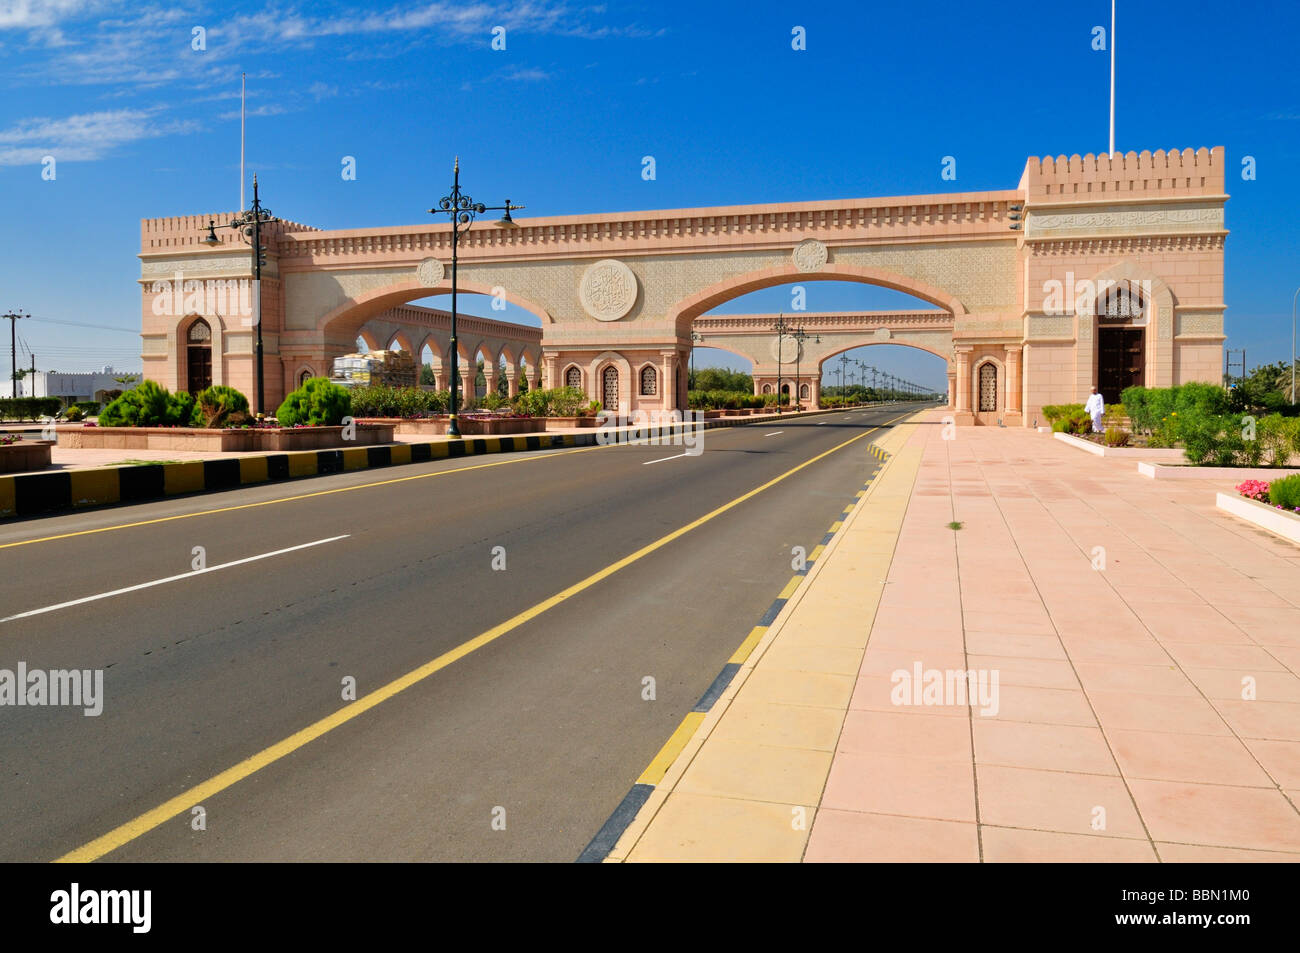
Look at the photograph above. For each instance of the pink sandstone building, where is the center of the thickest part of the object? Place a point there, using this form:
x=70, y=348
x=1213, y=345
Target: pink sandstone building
x=1102, y=270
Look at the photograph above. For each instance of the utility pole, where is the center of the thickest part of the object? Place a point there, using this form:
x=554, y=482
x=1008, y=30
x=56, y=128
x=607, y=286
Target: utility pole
x=13, y=317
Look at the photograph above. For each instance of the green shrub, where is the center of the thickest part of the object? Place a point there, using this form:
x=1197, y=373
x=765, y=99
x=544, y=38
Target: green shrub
x=180, y=410
x=1116, y=437
x=218, y=406
x=553, y=402
x=29, y=408
x=1279, y=438
x=1285, y=492
x=381, y=400
x=88, y=408
x=1194, y=398
x=1076, y=422
x=73, y=413
x=1148, y=406
x=142, y=406
x=316, y=403
x=1054, y=412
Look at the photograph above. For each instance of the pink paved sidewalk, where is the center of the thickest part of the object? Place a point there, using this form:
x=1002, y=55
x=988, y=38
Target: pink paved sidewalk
x=1125, y=728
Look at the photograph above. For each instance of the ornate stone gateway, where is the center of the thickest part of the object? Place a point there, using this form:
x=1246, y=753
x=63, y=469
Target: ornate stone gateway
x=1019, y=280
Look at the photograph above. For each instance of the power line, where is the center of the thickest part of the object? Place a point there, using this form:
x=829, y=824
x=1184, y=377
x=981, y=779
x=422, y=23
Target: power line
x=80, y=324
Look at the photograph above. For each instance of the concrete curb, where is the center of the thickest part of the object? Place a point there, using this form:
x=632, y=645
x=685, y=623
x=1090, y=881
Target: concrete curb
x=1263, y=515
x=625, y=826
x=60, y=491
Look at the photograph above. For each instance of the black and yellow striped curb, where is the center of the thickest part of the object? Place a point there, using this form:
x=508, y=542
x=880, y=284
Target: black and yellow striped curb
x=57, y=491
x=608, y=836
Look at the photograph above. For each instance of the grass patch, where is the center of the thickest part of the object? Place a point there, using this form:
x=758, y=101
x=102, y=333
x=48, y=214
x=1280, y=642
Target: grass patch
x=140, y=463
x=954, y=525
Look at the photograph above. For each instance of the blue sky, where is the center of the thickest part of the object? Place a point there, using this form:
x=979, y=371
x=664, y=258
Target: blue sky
x=143, y=125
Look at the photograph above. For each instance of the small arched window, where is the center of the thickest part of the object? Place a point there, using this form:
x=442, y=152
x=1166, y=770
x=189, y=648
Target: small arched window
x=649, y=381
x=767, y=388
x=573, y=377
x=988, y=387
x=200, y=333
x=610, y=391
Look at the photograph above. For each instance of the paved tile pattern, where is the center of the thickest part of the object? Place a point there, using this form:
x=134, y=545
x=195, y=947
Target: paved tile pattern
x=1146, y=649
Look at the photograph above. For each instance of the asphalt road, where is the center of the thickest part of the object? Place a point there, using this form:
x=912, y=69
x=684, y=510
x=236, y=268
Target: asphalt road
x=543, y=728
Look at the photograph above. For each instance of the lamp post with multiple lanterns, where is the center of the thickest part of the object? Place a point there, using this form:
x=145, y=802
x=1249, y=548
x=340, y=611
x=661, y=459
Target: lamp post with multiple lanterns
x=799, y=337
x=463, y=210
x=249, y=224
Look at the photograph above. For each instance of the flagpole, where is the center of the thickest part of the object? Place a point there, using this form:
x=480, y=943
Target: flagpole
x=242, y=87
x=1112, y=77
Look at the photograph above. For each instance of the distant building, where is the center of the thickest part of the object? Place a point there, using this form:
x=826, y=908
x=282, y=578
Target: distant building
x=72, y=387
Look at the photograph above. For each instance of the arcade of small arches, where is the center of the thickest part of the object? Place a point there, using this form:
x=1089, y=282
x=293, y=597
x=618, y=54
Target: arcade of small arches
x=621, y=297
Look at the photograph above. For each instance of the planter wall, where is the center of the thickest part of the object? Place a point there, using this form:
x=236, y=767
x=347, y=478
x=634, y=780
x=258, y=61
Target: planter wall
x=1264, y=515
x=223, y=441
x=479, y=427
x=569, y=423
x=1157, y=471
x=1154, y=454
x=424, y=426
x=25, y=455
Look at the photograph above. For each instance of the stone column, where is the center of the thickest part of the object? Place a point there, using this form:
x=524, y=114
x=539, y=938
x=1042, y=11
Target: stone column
x=441, y=378
x=667, y=361
x=467, y=375
x=1013, y=416
x=512, y=376
x=490, y=372
x=963, y=414
x=552, y=371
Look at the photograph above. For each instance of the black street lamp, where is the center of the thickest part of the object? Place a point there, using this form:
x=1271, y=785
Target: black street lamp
x=249, y=224
x=780, y=328
x=13, y=318
x=799, y=337
x=844, y=362
x=696, y=338
x=463, y=211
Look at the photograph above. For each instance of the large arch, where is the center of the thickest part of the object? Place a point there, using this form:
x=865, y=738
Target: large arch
x=693, y=306
x=361, y=308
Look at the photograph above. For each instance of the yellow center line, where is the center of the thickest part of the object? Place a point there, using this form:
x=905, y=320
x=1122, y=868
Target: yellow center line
x=167, y=810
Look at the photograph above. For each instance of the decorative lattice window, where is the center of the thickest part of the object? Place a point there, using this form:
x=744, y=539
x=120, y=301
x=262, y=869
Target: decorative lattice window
x=1119, y=302
x=573, y=377
x=304, y=376
x=988, y=387
x=200, y=333
x=804, y=393
x=610, y=399
x=649, y=381
x=767, y=388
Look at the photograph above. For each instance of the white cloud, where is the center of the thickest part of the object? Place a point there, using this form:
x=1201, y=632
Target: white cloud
x=84, y=137
x=268, y=109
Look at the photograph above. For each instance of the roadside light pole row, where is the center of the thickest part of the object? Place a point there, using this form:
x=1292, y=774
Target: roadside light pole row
x=463, y=210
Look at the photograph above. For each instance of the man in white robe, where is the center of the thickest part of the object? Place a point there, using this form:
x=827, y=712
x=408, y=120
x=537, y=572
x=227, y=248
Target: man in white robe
x=1095, y=408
